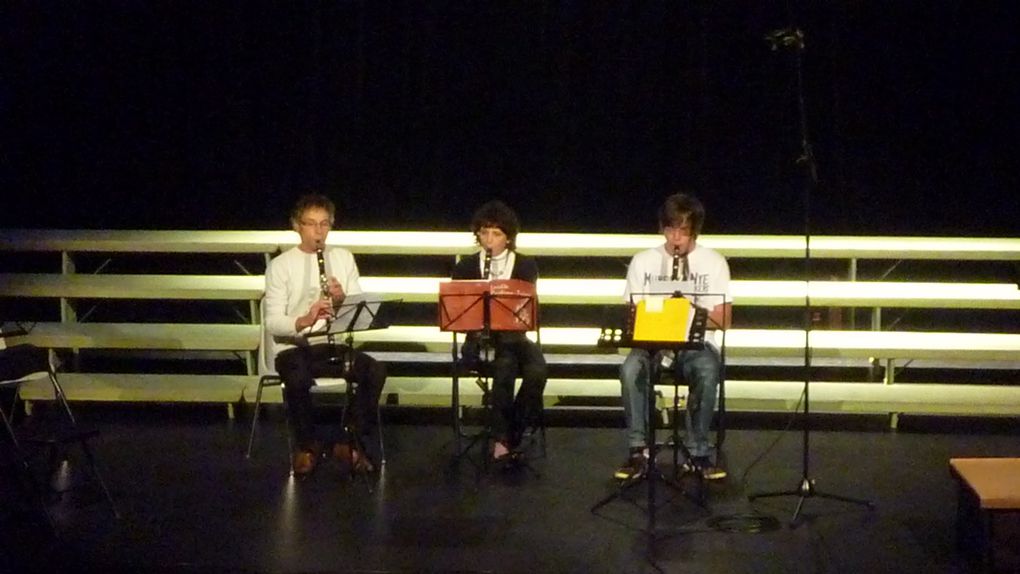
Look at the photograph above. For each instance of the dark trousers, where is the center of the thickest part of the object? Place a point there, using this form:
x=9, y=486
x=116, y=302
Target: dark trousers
x=298, y=367
x=515, y=356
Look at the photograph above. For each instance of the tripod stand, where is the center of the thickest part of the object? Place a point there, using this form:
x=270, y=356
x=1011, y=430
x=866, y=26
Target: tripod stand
x=793, y=38
x=675, y=326
x=358, y=313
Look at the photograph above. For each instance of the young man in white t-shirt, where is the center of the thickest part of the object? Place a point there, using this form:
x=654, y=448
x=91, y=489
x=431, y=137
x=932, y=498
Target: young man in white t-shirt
x=298, y=299
x=705, y=276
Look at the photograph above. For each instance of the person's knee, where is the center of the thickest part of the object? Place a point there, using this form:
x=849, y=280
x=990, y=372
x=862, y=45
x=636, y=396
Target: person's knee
x=377, y=371
x=631, y=370
x=534, y=375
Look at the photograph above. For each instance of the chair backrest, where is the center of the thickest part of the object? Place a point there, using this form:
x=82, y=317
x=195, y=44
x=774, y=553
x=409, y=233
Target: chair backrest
x=22, y=362
x=267, y=352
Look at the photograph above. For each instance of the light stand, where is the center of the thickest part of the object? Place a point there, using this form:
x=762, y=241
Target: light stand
x=793, y=38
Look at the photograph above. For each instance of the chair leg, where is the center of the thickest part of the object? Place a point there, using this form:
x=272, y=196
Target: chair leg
x=382, y=446
x=255, y=418
x=58, y=394
x=82, y=440
x=541, y=423
x=676, y=427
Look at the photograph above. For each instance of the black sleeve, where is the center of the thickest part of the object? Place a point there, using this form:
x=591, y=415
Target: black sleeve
x=466, y=268
x=526, y=269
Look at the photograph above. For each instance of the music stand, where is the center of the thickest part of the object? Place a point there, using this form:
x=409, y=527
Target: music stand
x=676, y=325
x=360, y=312
x=486, y=307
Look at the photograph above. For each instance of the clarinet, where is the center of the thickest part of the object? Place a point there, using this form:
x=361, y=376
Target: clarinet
x=676, y=265
x=487, y=271
x=324, y=291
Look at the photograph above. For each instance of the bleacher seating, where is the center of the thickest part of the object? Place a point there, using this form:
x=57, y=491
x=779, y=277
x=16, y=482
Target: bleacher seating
x=190, y=298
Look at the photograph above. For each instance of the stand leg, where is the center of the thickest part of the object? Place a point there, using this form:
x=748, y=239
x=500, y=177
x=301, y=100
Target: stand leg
x=652, y=473
x=807, y=490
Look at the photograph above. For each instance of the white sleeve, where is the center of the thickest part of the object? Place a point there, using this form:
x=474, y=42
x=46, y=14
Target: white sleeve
x=274, y=310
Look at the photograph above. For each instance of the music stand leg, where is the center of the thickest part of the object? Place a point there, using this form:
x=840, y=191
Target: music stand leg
x=652, y=473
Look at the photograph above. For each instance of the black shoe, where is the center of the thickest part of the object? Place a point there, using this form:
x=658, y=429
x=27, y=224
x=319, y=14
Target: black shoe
x=704, y=466
x=634, y=468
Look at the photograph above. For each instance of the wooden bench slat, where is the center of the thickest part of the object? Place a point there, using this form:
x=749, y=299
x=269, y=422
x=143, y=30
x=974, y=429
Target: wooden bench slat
x=170, y=336
x=747, y=293
x=537, y=244
x=551, y=290
x=143, y=387
x=189, y=287
x=750, y=395
x=739, y=342
x=772, y=342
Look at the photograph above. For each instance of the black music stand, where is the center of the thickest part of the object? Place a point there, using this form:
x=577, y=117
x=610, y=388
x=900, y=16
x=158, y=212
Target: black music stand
x=614, y=336
x=361, y=312
x=485, y=307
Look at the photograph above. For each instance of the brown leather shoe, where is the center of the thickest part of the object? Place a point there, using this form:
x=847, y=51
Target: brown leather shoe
x=304, y=462
x=353, y=457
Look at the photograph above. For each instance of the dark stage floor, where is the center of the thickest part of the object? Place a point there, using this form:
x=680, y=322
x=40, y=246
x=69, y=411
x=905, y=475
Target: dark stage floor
x=191, y=503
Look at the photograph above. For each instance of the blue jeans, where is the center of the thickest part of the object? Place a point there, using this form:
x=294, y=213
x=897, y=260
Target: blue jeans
x=701, y=371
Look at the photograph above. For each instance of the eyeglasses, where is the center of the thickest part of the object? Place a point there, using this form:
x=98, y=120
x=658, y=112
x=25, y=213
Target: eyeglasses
x=681, y=230
x=318, y=224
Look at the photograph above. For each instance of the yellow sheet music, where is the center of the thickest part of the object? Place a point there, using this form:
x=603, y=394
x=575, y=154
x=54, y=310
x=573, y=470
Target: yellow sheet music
x=664, y=320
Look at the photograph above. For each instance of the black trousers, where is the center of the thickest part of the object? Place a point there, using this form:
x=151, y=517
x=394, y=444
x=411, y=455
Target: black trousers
x=298, y=367
x=515, y=356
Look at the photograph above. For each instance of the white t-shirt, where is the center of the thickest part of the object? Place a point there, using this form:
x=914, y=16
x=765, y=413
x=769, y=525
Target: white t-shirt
x=649, y=275
x=292, y=285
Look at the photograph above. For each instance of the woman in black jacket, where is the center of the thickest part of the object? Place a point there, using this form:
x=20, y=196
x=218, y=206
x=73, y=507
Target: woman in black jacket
x=495, y=226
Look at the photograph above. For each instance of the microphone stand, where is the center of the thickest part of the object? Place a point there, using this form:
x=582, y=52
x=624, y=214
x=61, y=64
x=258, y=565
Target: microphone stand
x=793, y=38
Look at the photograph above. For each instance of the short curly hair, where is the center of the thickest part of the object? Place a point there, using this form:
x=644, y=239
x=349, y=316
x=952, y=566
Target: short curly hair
x=496, y=214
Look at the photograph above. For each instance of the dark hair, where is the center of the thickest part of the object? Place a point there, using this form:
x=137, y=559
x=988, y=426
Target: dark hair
x=681, y=209
x=496, y=214
x=312, y=201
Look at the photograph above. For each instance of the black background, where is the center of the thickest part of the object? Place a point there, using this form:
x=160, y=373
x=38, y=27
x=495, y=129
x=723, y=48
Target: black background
x=582, y=115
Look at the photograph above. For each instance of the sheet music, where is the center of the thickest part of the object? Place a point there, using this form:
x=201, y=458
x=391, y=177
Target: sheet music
x=659, y=290
x=357, y=313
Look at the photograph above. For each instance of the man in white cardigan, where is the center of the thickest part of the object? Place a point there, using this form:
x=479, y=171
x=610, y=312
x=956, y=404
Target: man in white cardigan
x=299, y=297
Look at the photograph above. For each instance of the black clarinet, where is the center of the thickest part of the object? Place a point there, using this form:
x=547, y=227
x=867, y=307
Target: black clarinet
x=324, y=291
x=676, y=265
x=487, y=271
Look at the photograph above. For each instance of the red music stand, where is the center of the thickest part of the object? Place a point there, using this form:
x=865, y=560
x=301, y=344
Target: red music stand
x=485, y=306
x=500, y=305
